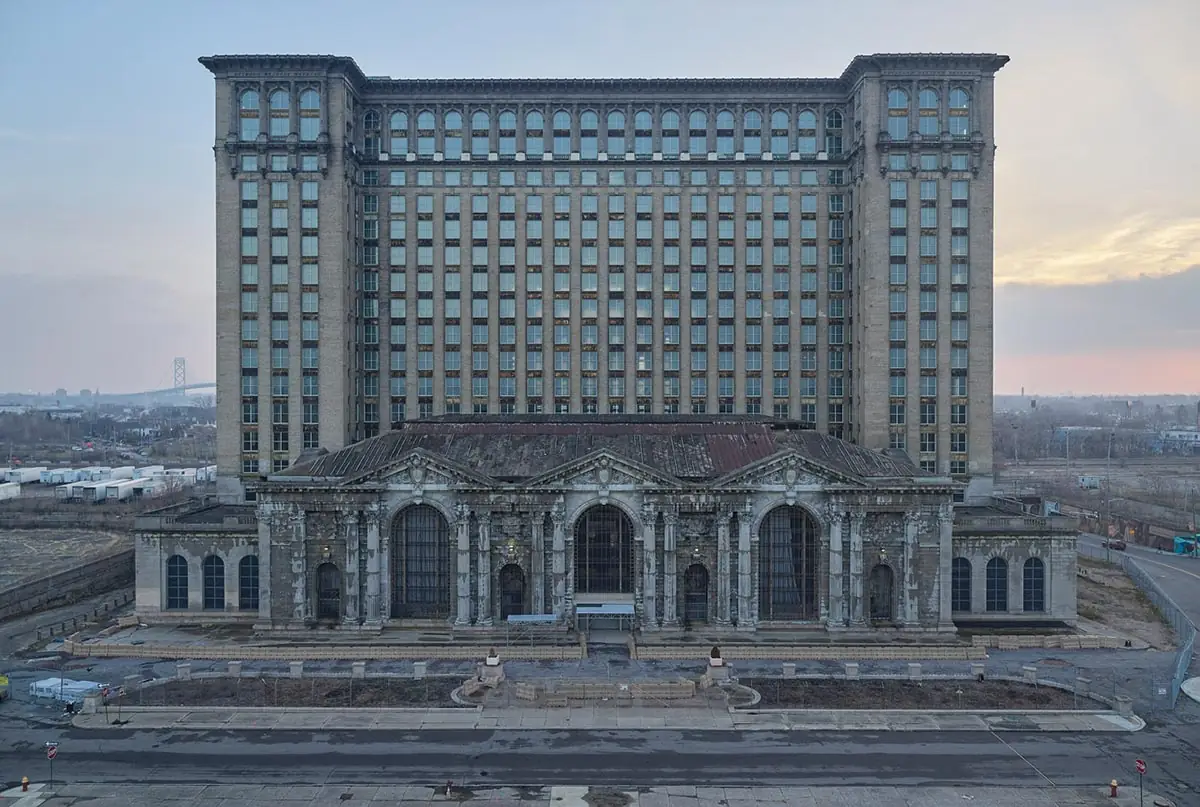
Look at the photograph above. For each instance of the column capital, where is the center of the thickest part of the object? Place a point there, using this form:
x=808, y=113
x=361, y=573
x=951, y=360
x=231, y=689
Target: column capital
x=558, y=514
x=857, y=519
x=485, y=517
x=462, y=513
x=671, y=518
x=912, y=518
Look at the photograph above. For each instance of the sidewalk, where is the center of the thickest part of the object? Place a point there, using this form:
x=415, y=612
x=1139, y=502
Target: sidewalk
x=586, y=717
x=250, y=795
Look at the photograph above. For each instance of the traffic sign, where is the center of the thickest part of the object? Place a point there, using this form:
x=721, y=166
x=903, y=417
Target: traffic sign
x=105, y=692
x=52, y=752
x=1141, y=766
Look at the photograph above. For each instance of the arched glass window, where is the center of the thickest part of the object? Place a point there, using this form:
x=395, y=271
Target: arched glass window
x=177, y=582
x=643, y=134
x=806, y=132
x=616, y=133
x=214, y=583
x=535, y=141
x=452, y=136
x=589, y=135
x=670, y=134
x=833, y=132
x=897, y=114
x=996, y=585
x=928, y=118
x=698, y=132
x=752, y=133
x=960, y=112
x=788, y=565
x=399, y=132
x=562, y=134
x=248, y=583
x=725, y=126
x=248, y=111
x=371, y=133
x=280, y=113
x=421, y=555
x=780, y=145
x=960, y=585
x=1033, y=586
x=604, y=552
x=310, y=115
x=508, y=133
x=426, y=134
x=481, y=134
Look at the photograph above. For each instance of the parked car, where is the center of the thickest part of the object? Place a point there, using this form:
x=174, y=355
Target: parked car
x=1115, y=543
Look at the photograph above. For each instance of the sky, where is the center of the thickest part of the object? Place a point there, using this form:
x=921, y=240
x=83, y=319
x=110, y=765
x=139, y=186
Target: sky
x=107, y=173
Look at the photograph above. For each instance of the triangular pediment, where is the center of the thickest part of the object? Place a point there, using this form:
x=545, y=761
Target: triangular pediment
x=787, y=469
x=419, y=468
x=602, y=469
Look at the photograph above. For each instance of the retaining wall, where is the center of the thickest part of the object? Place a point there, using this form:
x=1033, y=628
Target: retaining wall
x=330, y=653
x=63, y=588
x=1088, y=642
x=814, y=653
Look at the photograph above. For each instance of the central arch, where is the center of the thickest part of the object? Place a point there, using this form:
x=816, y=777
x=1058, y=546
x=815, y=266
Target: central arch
x=604, y=551
x=881, y=583
x=695, y=594
x=512, y=591
x=788, y=565
x=421, y=564
x=329, y=592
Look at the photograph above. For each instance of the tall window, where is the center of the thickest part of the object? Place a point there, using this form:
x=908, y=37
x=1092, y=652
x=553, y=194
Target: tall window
x=481, y=135
x=562, y=133
x=806, y=132
x=788, y=565
x=833, y=132
x=752, y=133
x=1034, y=585
x=898, y=114
x=177, y=582
x=508, y=133
x=960, y=585
x=589, y=135
x=698, y=132
x=281, y=109
x=780, y=145
x=643, y=134
x=248, y=583
x=928, y=122
x=960, y=112
x=604, y=552
x=399, y=133
x=996, y=580
x=452, y=138
x=670, y=134
x=248, y=111
x=535, y=125
x=426, y=134
x=214, y=583
x=421, y=569
x=616, y=133
x=310, y=115
x=725, y=126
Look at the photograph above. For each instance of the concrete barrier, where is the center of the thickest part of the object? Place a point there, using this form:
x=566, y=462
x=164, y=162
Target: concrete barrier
x=101, y=575
x=819, y=653
x=1048, y=642
x=381, y=652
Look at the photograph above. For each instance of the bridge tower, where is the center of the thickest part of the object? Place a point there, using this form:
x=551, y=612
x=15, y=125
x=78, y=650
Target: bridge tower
x=180, y=372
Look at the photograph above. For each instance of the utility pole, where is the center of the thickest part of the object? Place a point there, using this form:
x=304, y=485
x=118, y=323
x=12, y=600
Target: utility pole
x=1108, y=500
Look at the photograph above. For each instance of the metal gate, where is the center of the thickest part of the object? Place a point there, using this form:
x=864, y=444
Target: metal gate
x=695, y=593
x=512, y=591
x=329, y=592
x=880, y=593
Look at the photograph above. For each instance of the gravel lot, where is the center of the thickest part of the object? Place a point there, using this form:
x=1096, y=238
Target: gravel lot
x=792, y=693
x=335, y=693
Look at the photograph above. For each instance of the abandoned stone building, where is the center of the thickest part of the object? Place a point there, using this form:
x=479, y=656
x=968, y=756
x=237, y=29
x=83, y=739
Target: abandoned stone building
x=652, y=523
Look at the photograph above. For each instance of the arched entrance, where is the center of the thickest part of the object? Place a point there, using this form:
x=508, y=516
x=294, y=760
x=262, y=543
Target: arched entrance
x=421, y=564
x=695, y=594
x=881, y=593
x=512, y=591
x=788, y=565
x=329, y=591
x=603, y=552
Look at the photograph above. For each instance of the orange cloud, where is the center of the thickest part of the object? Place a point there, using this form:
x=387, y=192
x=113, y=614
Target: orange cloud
x=1151, y=371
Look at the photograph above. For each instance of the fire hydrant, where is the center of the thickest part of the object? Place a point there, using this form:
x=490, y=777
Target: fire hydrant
x=1112, y=789
x=24, y=784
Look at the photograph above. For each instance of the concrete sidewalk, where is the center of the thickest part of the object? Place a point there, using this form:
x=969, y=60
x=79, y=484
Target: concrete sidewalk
x=251, y=795
x=586, y=717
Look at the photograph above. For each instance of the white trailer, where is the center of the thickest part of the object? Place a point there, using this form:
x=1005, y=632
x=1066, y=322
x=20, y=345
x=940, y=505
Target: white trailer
x=123, y=472
x=59, y=476
x=92, y=491
x=25, y=475
x=147, y=471
x=10, y=490
x=98, y=473
x=151, y=488
x=70, y=490
x=120, y=491
x=4, y=473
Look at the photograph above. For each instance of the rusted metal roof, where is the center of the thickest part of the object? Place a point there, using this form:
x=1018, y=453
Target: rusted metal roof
x=522, y=447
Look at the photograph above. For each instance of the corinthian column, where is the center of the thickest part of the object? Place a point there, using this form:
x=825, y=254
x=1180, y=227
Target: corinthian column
x=837, y=571
x=538, y=564
x=909, y=616
x=484, y=617
x=670, y=572
x=463, y=525
x=558, y=562
x=723, y=568
x=857, y=617
x=649, y=568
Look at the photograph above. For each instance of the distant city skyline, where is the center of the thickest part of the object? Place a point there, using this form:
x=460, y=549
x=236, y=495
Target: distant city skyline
x=106, y=225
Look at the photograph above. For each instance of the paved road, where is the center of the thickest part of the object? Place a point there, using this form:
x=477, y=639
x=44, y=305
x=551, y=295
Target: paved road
x=1178, y=575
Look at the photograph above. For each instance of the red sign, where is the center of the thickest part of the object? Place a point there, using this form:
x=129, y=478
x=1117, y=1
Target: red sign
x=1141, y=766
x=52, y=752
x=1112, y=532
x=105, y=692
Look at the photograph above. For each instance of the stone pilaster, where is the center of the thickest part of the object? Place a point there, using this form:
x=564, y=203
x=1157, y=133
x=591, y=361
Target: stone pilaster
x=945, y=563
x=837, y=572
x=347, y=525
x=671, y=572
x=558, y=561
x=537, y=563
x=484, y=580
x=723, y=569
x=747, y=602
x=463, y=525
x=385, y=570
x=857, y=603
x=908, y=607
x=373, y=607
x=302, y=603
x=649, y=568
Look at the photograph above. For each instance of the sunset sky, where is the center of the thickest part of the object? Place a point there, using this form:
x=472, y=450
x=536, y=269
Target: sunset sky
x=106, y=165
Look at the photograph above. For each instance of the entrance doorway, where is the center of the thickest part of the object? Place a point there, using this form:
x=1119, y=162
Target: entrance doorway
x=329, y=592
x=880, y=593
x=695, y=594
x=512, y=591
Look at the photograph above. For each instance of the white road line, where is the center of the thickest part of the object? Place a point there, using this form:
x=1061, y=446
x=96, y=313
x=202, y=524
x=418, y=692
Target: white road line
x=1021, y=756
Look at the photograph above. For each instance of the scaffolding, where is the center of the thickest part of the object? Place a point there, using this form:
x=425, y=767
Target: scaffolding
x=532, y=628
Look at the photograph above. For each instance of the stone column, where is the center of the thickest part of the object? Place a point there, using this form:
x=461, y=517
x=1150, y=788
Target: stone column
x=302, y=603
x=945, y=564
x=723, y=570
x=537, y=563
x=558, y=562
x=671, y=572
x=837, y=571
x=266, y=560
x=348, y=526
x=908, y=615
x=385, y=570
x=463, y=525
x=373, y=610
x=857, y=616
x=649, y=568
x=747, y=602
x=484, y=617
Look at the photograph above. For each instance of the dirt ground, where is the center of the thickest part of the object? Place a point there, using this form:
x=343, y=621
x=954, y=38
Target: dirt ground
x=830, y=694
x=333, y=693
x=1107, y=595
x=30, y=554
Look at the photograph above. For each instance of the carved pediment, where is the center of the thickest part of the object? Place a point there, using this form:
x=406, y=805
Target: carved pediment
x=603, y=470
x=419, y=469
x=789, y=471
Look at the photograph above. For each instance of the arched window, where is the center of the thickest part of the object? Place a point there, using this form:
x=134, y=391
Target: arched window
x=562, y=134
x=481, y=133
x=960, y=112
x=399, y=131
x=248, y=583
x=248, y=112
x=616, y=133
x=928, y=118
x=535, y=141
x=725, y=126
x=806, y=132
x=371, y=133
x=508, y=133
x=996, y=585
x=214, y=583
x=589, y=135
x=752, y=133
x=897, y=114
x=1033, y=586
x=643, y=134
x=426, y=134
x=604, y=552
x=452, y=135
x=421, y=556
x=780, y=136
x=833, y=132
x=960, y=585
x=280, y=113
x=670, y=134
x=698, y=132
x=788, y=565
x=310, y=115
x=177, y=582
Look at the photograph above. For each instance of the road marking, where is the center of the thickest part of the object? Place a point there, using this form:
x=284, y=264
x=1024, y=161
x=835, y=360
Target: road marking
x=1021, y=756
x=1138, y=557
